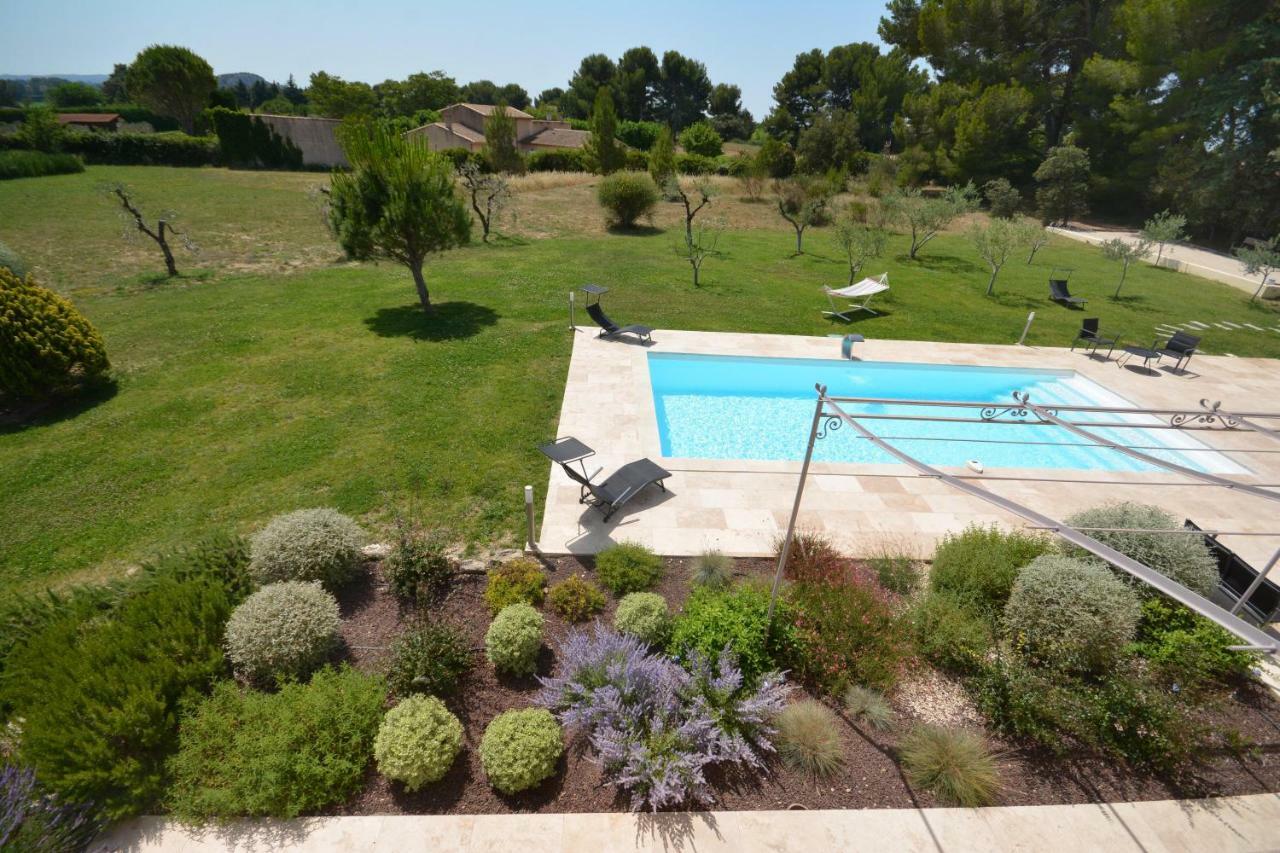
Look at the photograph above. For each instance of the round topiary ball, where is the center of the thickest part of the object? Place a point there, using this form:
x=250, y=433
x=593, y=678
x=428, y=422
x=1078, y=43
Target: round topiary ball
x=520, y=749
x=645, y=616
x=283, y=630
x=513, y=639
x=417, y=742
x=1070, y=614
x=307, y=545
x=1180, y=557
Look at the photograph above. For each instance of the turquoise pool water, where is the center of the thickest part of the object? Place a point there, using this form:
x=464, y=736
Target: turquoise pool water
x=735, y=407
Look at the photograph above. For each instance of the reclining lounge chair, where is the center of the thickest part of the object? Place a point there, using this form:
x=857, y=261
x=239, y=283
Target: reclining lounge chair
x=1058, y=293
x=608, y=328
x=611, y=494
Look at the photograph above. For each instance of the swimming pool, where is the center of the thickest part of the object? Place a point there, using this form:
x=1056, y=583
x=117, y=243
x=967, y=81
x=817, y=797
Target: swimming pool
x=739, y=407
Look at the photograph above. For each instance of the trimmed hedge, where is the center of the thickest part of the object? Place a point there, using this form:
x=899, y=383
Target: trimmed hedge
x=248, y=142
x=558, y=160
x=36, y=164
x=143, y=149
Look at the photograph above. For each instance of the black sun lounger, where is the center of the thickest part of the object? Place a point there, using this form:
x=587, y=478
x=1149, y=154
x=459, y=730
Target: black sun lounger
x=1058, y=293
x=613, y=492
x=1180, y=348
x=610, y=329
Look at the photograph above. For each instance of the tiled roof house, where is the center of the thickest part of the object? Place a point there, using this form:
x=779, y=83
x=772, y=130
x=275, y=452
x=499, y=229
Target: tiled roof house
x=462, y=126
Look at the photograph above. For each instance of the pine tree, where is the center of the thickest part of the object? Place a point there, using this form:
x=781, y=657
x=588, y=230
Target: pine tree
x=500, y=141
x=662, y=158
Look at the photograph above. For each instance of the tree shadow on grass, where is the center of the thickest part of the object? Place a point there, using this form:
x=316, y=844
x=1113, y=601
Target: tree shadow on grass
x=940, y=263
x=635, y=230
x=18, y=415
x=448, y=321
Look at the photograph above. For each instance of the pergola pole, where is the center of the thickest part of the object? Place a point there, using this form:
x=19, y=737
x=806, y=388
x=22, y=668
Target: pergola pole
x=795, y=507
x=1257, y=582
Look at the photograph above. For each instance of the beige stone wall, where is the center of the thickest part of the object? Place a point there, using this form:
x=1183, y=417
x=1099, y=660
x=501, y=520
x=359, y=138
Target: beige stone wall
x=315, y=136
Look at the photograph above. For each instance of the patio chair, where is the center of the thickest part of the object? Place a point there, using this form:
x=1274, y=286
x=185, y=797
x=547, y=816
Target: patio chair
x=1092, y=337
x=608, y=328
x=1235, y=576
x=862, y=292
x=1180, y=348
x=1058, y=293
x=611, y=494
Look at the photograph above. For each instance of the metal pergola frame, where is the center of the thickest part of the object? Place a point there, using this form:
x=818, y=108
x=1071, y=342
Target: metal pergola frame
x=829, y=415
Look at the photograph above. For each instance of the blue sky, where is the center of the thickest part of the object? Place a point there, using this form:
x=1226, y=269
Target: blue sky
x=536, y=43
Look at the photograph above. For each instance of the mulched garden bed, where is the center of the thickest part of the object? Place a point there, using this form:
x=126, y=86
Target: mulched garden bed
x=870, y=778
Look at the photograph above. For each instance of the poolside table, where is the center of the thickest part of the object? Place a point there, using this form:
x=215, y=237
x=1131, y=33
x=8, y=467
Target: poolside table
x=1144, y=353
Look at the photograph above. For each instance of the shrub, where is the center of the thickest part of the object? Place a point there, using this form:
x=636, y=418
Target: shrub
x=1002, y=197
x=10, y=261
x=639, y=134
x=143, y=149
x=949, y=634
x=428, y=659
x=627, y=196
x=701, y=138
x=520, y=749
x=1187, y=651
x=282, y=631
x=46, y=345
x=809, y=738
x=897, y=572
x=34, y=821
x=628, y=567
x=418, y=566
x=518, y=581
x=711, y=569
x=695, y=164
x=98, y=698
x=576, y=599
x=776, y=159
x=655, y=725
x=417, y=742
x=846, y=633
x=812, y=558
x=561, y=160
x=954, y=764
x=635, y=161
x=1070, y=614
x=870, y=706
x=736, y=619
x=644, y=615
x=307, y=545
x=36, y=164
x=979, y=565
x=513, y=640
x=247, y=753
x=1125, y=715
x=459, y=157
x=1181, y=557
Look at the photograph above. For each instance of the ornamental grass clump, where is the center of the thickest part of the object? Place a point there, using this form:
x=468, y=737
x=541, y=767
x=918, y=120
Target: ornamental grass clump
x=575, y=599
x=1181, y=557
x=656, y=726
x=644, y=615
x=1070, y=614
x=809, y=738
x=514, y=639
x=417, y=742
x=869, y=706
x=520, y=749
x=307, y=545
x=954, y=764
x=520, y=581
x=428, y=659
x=711, y=569
x=628, y=567
x=282, y=631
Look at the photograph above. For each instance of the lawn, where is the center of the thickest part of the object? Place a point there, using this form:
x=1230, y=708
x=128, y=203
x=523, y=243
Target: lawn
x=275, y=376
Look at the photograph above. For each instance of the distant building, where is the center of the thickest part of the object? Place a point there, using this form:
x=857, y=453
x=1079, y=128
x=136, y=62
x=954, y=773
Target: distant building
x=462, y=126
x=91, y=121
x=316, y=138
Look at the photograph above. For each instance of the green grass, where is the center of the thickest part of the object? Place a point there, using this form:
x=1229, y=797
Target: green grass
x=242, y=395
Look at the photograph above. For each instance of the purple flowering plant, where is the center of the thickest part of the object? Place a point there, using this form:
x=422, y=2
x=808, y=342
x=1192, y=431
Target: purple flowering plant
x=656, y=725
x=33, y=820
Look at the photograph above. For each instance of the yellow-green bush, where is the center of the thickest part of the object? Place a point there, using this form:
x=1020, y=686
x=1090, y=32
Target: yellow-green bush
x=417, y=742
x=46, y=345
x=514, y=638
x=520, y=749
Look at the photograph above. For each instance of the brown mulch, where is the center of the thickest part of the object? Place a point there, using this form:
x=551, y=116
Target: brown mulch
x=870, y=778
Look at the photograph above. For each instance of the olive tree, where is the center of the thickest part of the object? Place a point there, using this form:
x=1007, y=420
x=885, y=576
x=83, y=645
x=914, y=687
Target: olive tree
x=397, y=201
x=995, y=241
x=698, y=244
x=489, y=194
x=1261, y=258
x=1164, y=227
x=1125, y=252
x=135, y=222
x=859, y=240
x=802, y=201
x=923, y=216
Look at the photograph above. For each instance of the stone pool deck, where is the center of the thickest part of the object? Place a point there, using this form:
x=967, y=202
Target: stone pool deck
x=1222, y=825
x=741, y=507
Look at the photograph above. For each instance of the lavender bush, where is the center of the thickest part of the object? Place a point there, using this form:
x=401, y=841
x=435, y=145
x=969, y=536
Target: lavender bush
x=33, y=820
x=656, y=725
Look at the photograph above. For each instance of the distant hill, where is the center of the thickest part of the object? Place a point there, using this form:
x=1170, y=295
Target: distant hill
x=229, y=81
x=92, y=79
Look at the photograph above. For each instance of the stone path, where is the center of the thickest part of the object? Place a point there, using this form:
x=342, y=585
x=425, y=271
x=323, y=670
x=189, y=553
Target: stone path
x=1219, y=825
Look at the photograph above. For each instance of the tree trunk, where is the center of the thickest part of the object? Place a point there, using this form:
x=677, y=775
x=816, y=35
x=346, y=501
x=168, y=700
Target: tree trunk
x=168, y=253
x=991, y=285
x=799, y=239
x=1123, y=272
x=421, y=284
x=695, y=275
